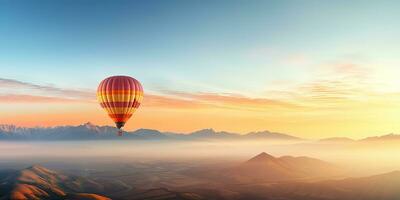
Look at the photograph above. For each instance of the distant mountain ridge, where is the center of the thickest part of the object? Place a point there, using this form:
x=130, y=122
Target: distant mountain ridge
x=388, y=137
x=89, y=131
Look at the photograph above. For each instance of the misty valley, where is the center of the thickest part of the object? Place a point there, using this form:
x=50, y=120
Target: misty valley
x=54, y=163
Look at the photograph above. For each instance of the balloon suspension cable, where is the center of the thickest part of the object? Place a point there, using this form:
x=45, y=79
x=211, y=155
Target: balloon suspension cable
x=119, y=126
x=120, y=132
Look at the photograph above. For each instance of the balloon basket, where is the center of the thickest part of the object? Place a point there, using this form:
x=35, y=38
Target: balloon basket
x=120, y=133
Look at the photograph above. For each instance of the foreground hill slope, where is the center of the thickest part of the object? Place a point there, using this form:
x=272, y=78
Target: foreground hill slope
x=378, y=187
x=37, y=182
x=162, y=194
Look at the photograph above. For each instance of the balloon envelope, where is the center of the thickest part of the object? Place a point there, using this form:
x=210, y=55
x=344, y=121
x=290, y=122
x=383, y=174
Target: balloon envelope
x=120, y=96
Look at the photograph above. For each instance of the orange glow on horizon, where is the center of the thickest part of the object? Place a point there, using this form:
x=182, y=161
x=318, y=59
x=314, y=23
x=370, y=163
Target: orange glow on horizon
x=309, y=118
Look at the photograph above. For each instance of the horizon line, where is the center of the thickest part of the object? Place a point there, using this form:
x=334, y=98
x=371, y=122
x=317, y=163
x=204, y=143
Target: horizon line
x=197, y=130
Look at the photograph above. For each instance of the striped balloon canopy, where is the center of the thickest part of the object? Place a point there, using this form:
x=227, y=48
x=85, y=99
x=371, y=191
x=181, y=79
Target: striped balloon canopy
x=120, y=96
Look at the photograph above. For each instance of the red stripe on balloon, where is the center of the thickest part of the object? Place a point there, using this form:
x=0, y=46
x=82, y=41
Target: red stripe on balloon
x=120, y=116
x=134, y=104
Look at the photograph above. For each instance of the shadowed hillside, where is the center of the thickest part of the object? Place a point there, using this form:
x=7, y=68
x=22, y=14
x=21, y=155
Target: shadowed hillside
x=378, y=187
x=37, y=182
x=267, y=168
x=162, y=194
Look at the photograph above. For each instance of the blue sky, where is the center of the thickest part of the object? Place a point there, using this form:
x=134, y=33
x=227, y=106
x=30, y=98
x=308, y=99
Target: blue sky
x=207, y=44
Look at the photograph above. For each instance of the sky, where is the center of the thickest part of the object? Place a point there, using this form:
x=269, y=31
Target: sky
x=308, y=68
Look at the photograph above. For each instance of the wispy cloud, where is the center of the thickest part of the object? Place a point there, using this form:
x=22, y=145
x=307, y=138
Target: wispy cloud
x=12, y=90
x=215, y=100
x=348, y=69
x=152, y=100
x=33, y=99
x=344, y=83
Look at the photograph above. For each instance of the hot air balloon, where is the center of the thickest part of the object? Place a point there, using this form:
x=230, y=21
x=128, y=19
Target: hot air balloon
x=120, y=96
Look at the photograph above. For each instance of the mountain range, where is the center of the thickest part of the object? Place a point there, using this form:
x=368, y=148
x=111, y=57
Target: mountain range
x=89, y=131
x=265, y=177
x=267, y=168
